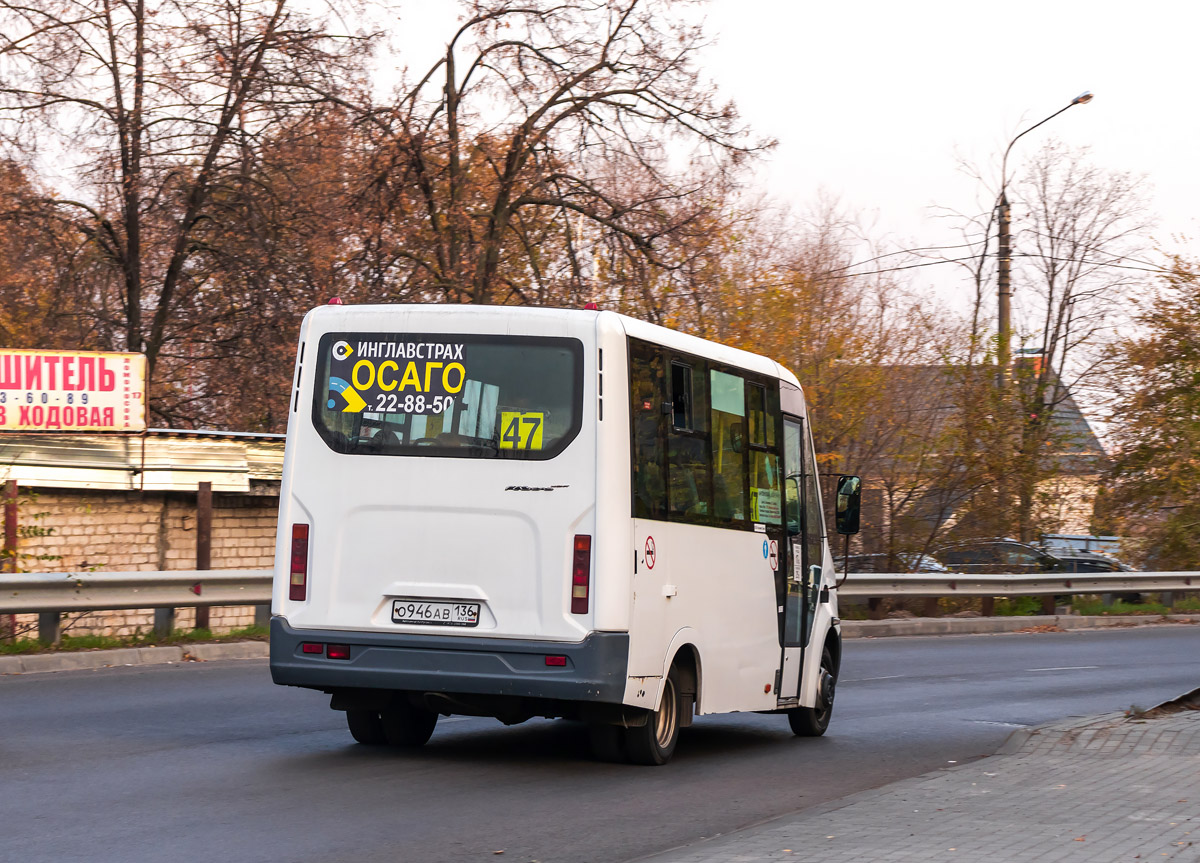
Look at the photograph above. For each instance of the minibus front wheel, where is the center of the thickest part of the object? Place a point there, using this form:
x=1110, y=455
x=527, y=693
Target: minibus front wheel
x=812, y=721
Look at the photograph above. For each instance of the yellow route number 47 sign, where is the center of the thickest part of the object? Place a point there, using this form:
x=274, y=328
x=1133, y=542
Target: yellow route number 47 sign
x=521, y=430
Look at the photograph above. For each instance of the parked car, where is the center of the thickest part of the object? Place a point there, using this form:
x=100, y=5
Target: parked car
x=903, y=562
x=1088, y=561
x=998, y=555
x=1092, y=561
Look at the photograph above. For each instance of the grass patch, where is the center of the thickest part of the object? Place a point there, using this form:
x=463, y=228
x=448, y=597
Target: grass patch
x=147, y=639
x=1088, y=605
x=1119, y=606
x=1188, y=603
x=1018, y=606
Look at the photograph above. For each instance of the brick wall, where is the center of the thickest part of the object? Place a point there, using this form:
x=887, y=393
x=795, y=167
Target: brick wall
x=146, y=531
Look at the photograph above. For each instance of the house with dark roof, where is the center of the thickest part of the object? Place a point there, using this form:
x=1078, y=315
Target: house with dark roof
x=918, y=483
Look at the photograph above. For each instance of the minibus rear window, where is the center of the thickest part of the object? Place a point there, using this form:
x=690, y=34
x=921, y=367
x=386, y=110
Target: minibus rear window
x=447, y=395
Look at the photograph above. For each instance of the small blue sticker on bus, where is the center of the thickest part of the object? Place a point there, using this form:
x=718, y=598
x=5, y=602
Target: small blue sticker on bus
x=766, y=549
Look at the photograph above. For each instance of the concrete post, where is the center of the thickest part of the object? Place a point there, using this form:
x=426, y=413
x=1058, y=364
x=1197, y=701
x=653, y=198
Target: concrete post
x=48, y=627
x=164, y=621
x=204, y=513
x=8, y=622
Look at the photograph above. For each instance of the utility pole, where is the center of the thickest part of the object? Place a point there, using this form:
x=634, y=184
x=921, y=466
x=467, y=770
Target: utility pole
x=1004, y=241
x=1004, y=338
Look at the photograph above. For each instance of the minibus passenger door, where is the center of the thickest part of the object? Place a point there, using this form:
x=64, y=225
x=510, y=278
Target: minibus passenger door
x=814, y=537
x=795, y=562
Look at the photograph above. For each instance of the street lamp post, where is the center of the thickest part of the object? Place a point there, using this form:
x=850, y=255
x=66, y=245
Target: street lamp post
x=1004, y=243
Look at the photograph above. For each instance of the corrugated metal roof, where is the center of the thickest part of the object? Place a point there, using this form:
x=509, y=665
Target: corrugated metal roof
x=159, y=460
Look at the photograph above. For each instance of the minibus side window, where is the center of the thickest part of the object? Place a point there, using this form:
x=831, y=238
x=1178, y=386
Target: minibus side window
x=766, y=505
x=646, y=387
x=729, y=444
x=690, y=478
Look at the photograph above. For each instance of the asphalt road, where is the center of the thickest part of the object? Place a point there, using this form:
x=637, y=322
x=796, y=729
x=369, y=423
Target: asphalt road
x=210, y=762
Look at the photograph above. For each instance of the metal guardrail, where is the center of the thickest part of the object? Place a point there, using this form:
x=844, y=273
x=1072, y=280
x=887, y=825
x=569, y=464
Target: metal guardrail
x=50, y=594
x=22, y=593
x=1014, y=584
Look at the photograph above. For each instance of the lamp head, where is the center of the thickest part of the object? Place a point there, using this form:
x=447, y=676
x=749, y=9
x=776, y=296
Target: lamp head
x=1083, y=98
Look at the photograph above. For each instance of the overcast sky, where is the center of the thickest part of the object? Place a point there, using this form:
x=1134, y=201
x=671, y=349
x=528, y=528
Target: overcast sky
x=876, y=102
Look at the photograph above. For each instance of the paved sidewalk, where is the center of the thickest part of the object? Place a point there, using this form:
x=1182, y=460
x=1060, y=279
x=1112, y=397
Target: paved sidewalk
x=1096, y=790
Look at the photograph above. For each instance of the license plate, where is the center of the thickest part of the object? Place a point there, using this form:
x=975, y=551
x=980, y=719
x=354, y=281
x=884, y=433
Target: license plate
x=435, y=613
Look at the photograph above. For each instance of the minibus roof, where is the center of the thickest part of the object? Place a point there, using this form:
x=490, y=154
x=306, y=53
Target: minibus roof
x=501, y=318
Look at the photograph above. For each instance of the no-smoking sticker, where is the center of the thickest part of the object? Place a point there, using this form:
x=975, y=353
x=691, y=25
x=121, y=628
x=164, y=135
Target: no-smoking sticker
x=773, y=555
x=649, y=552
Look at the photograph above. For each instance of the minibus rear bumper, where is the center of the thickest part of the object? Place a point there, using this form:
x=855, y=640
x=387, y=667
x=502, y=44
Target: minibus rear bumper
x=592, y=670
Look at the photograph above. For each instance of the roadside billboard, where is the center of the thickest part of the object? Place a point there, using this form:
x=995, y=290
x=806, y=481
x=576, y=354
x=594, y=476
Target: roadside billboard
x=62, y=391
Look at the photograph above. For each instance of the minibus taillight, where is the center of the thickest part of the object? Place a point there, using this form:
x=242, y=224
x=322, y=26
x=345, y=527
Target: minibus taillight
x=581, y=572
x=298, y=586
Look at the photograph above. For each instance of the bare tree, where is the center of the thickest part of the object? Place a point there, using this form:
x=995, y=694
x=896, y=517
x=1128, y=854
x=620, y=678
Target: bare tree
x=154, y=111
x=42, y=266
x=1083, y=227
x=550, y=121
x=1080, y=232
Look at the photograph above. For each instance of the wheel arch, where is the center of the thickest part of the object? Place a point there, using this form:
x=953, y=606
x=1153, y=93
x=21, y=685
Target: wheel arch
x=684, y=654
x=833, y=640
x=687, y=662
x=825, y=634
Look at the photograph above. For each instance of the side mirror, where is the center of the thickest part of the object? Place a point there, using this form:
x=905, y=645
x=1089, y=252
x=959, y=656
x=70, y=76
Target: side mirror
x=849, y=499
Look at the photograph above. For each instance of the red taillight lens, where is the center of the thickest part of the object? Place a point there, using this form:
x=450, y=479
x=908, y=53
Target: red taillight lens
x=298, y=586
x=556, y=661
x=338, y=651
x=581, y=574
x=309, y=647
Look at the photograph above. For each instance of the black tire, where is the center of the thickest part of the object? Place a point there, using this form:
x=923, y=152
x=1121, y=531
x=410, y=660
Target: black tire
x=654, y=743
x=812, y=721
x=408, y=726
x=366, y=727
x=606, y=742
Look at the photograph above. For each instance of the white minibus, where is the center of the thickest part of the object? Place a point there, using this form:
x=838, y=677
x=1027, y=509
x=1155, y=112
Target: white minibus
x=523, y=512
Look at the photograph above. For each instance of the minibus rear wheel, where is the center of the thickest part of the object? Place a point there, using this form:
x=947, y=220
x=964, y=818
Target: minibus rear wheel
x=406, y=725
x=366, y=727
x=654, y=742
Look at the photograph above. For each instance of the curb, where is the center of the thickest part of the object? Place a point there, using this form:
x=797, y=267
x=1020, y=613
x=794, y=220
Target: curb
x=90, y=659
x=990, y=625
x=86, y=660
x=227, y=650
x=1016, y=741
